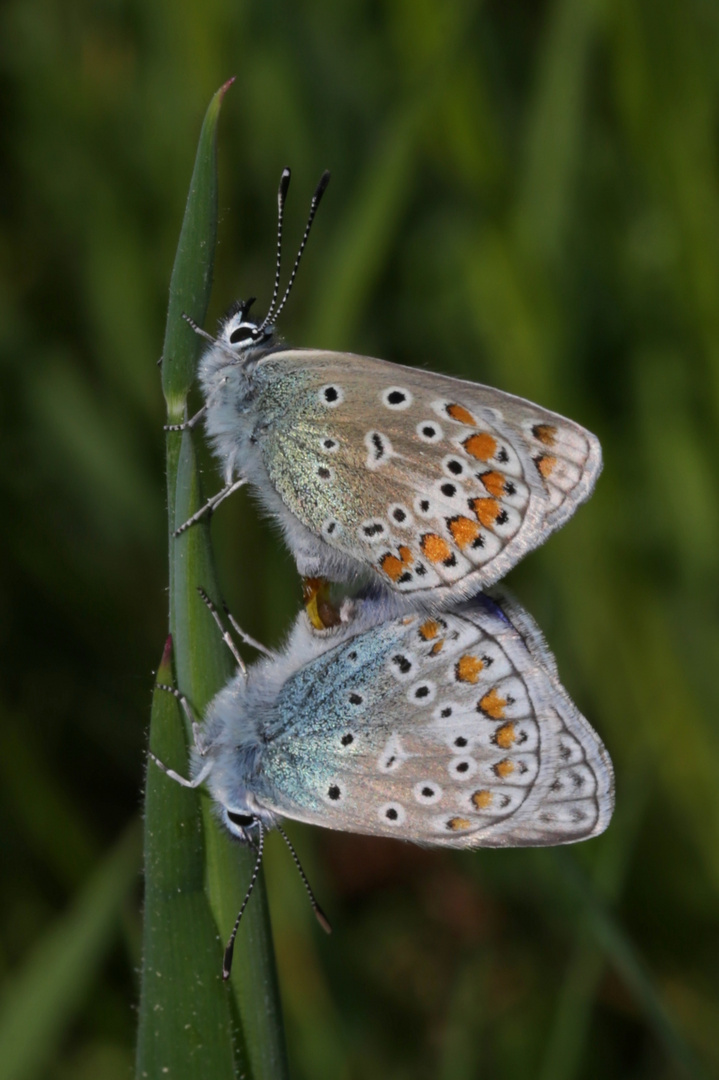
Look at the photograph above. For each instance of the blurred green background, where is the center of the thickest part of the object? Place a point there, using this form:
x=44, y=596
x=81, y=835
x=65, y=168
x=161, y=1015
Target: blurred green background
x=526, y=194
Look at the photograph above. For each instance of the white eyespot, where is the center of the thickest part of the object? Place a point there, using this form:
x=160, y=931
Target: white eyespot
x=423, y=507
x=331, y=528
x=454, y=467
x=402, y=665
x=393, y=755
x=462, y=768
x=331, y=395
x=427, y=792
x=400, y=516
x=451, y=491
x=329, y=446
x=445, y=711
x=459, y=741
x=379, y=449
x=396, y=397
x=372, y=530
x=422, y=693
x=333, y=793
x=392, y=813
x=429, y=431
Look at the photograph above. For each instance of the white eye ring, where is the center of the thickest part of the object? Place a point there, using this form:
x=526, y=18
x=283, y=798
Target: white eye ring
x=396, y=398
x=462, y=768
x=419, y=792
x=331, y=395
x=392, y=813
x=429, y=431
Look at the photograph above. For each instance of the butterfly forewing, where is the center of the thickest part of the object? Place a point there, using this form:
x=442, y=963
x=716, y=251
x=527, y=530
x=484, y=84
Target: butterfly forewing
x=436, y=484
x=449, y=729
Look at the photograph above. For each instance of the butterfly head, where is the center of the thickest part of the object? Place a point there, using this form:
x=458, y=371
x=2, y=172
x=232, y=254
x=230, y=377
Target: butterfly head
x=242, y=825
x=238, y=334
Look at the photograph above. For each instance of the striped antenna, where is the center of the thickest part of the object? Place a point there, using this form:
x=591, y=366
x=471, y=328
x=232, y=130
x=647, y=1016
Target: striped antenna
x=281, y=196
x=227, y=962
x=316, y=199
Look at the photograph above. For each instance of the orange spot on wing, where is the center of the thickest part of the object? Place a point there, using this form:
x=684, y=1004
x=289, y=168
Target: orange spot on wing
x=545, y=433
x=429, y=629
x=468, y=668
x=487, y=511
x=437, y=647
x=394, y=567
x=505, y=736
x=460, y=414
x=435, y=548
x=464, y=530
x=493, y=705
x=494, y=483
x=482, y=799
x=481, y=445
x=457, y=823
x=504, y=768
x=546, y=464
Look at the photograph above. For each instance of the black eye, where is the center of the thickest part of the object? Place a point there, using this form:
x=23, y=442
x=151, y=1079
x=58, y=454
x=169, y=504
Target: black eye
x=242, y=333
x=243, y=820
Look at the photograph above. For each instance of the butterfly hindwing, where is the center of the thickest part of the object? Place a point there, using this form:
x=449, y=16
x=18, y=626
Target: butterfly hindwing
x=451, y=729
x=437, y=485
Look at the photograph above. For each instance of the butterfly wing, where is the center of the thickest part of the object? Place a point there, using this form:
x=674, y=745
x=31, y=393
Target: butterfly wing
x=438, y=485
x=450, y=730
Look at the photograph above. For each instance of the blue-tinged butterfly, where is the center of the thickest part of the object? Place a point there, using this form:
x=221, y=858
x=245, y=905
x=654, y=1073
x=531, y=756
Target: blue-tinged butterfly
x=432, y=485
x=450, y=729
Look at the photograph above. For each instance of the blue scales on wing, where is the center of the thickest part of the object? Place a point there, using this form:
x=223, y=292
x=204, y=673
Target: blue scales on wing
x=451, y=730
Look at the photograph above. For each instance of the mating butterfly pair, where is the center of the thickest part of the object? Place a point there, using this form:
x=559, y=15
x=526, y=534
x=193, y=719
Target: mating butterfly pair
x=429, y=711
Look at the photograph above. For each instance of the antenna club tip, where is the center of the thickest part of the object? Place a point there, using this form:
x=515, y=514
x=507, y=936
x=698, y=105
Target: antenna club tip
x=322, y=186
x=284, y=183
x=227, y=961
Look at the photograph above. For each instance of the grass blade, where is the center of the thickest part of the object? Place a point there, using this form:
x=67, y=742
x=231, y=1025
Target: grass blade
x=208, y=874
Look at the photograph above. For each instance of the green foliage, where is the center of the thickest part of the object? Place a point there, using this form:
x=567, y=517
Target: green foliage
x=522, y=194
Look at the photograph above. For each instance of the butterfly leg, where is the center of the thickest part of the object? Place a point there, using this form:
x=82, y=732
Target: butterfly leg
x=225, y=633
x=196, y=728
x=237, y=628
x=246, y=637
x=211, y=505
x=188, y=424
x=199, y=779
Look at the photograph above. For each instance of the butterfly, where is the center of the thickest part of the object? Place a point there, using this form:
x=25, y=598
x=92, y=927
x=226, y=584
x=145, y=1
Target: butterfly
x=432, y=486
x=450, y=730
